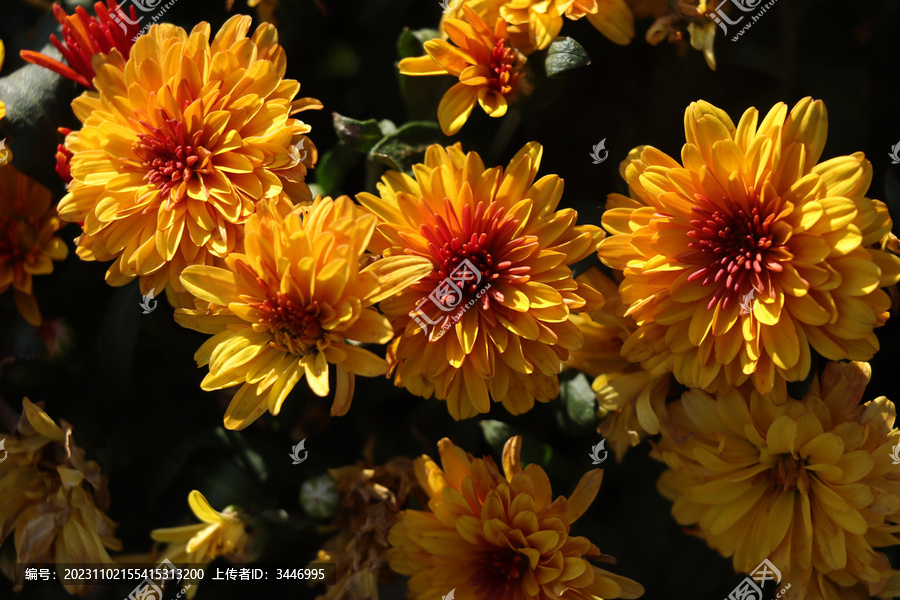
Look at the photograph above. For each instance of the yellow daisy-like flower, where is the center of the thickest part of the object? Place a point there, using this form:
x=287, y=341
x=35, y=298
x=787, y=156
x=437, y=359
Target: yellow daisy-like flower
x=534, y=24
x=808, y=484
x=488, y=69
x=630, y=401
x=223, y=534
x=491, y=535
x=43, y=499
x=739, y=259
x=28, y=240
x=179, y=144
x=288, y=305
x=501, y=230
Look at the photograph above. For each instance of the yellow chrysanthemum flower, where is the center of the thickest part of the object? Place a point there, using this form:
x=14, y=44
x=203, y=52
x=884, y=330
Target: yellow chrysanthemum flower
x=809, y=484
x=2, y=105
x=372, y=497
x=487, y=67
x=28, y=240
x=630, y=401
x=288, y=305
x=504, y=226
x=741, y=258
x=534, y=24
x=44, y=501
x=179, y=144
x=491, y=535
x=223, y=534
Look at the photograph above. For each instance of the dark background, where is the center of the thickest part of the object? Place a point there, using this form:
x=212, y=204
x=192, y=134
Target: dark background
x=129, y=385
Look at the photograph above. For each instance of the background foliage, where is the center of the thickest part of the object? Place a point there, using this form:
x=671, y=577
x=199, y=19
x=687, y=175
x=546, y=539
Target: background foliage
x=128, y=383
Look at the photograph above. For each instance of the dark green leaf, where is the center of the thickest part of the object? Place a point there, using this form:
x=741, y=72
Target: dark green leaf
x=412, y=43
x=579, y=400
x=407, y=145
x=359, y=135
x=333, y=167
x=496, y=433
x=563, y=55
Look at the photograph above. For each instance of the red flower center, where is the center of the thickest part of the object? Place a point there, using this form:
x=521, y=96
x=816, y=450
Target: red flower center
x=499, y=574
x=170, y=157
x=736, y=248
x=296, y=328
x=503, y=61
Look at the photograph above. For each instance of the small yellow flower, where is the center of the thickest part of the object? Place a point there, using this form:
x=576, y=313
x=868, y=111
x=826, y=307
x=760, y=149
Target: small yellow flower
x=630, y=401
x=503, y=336
x=44, y=501
x=487, y=67
x=490, y=535
x=287, y=306
x=741, y=258
x=223, y=534
x=179, y=144
x=28, y=240
x=809, y=484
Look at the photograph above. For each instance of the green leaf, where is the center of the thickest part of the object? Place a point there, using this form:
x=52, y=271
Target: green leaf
x=361, y=135
x=579, y=400
x=406, y=146
x=496, y=433
x=563, y=55
x=412, y=43
x=333, y=167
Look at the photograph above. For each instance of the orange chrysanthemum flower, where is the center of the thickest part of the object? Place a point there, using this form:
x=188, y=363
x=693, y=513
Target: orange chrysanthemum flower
x=492, y=535
x=504, y=225
x=52, y=498
x=84, y=37
x=534, y=24
x=741, y=258
x=28, y=240
x=630, y=401
x=179, y=144
x=487, y=67
x=288, y=305
x=810, y=484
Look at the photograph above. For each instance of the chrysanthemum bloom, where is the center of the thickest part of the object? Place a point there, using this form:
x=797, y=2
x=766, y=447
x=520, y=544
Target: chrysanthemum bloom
x=809, y=484
x=739, y=260
x=372, y=497
x=630, y=401
x=288, y=305
x=28, y=240
x=534, y=24
x=2, y=58
x=43, y=499
x=491, y=535
x=84, y=37
x=487, y=67
x=506, y=331
x=179, y=144
x=223, y=534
